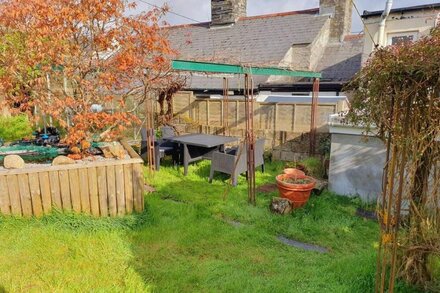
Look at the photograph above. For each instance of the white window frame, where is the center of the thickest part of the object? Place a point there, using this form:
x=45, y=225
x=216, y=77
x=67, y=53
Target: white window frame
x=392, y=35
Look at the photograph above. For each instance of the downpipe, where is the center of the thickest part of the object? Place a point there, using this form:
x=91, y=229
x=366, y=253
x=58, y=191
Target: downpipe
x=383, y=20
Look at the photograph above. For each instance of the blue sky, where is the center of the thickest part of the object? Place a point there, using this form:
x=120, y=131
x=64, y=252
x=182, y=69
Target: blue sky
x=201, y=9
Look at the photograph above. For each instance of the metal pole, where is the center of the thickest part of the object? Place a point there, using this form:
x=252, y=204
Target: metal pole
x=250, y=138
x=149, y=125
x=313, y=116
x=225, y=106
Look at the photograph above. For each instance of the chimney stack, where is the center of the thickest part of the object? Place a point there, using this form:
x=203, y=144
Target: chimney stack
x=226, y=12
x=341, y=11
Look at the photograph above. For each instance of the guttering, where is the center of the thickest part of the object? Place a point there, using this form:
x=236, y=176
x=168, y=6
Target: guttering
x=383, y=20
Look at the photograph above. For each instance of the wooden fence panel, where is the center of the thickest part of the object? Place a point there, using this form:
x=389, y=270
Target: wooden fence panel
x=111, y=190
x=138, y=188
x=84, y=191
x=46, y=199
x=102, y=191
x=65, y=190
x=302, y=118
x=34, y=185
x=55, y=190
x=284, y=117
x=128, y=175
x=120, y=192
x=5, y=205
x=267, y=116
x=101, y=188
x=93, y=191
x=75, y=195
x=25, y=195
x=13, y=190
x=279, y=117
x=215, y=113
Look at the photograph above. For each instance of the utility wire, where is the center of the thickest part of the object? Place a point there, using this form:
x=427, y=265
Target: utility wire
x=169, y=11
x=365, y=26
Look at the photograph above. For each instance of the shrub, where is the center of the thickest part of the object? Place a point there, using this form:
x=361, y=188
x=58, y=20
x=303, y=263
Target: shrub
x=14, y=127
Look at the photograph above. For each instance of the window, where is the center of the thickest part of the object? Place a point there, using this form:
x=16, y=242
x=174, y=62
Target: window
x=403, y=37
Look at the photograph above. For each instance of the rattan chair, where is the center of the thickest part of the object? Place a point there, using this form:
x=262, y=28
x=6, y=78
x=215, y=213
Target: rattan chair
x=234, y=161
x=162, y=147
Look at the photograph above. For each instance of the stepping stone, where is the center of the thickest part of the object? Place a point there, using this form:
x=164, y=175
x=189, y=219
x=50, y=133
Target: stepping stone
x=302, y=245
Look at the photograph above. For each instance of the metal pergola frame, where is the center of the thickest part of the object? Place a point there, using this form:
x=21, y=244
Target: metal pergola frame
x=248, y=72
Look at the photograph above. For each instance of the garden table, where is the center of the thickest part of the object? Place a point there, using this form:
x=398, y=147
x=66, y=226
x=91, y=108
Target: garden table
x=196, y=147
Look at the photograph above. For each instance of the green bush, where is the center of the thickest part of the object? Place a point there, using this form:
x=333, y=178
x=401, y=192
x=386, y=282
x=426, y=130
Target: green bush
x=14, y=127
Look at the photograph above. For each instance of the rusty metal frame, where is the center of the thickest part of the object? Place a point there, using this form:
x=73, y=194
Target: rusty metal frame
x=149, y=125
x=248, y=71
x=250, y=136
x=225, y=115
x=313, y=116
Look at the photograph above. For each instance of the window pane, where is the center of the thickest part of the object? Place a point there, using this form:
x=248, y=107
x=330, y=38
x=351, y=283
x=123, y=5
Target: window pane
x=401, y=39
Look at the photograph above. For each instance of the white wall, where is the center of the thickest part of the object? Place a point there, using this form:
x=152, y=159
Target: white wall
x=356, y=165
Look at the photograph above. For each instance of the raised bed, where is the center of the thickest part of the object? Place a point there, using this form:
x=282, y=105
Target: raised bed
x=105, y=188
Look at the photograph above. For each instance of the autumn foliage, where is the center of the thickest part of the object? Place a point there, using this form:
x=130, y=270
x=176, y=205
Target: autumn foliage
x=88, y=64
x=398, y=93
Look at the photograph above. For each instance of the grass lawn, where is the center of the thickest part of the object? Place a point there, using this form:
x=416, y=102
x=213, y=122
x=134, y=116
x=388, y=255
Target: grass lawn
x=194, y=237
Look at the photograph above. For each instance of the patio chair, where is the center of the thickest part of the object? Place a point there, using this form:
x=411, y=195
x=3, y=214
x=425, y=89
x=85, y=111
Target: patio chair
x=162, y=147
x=234, y=161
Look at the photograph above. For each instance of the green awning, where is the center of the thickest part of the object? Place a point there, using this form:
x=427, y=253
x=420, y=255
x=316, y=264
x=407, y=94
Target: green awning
x=207, y=67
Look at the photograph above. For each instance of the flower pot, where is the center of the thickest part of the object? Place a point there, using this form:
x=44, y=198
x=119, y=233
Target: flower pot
x=297, y=193
x=294, y=172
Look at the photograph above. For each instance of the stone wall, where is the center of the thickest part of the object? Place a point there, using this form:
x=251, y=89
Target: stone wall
x=225, y=12
x=341, y=11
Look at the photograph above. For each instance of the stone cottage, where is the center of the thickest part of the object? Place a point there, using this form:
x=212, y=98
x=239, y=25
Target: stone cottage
x=316, y=39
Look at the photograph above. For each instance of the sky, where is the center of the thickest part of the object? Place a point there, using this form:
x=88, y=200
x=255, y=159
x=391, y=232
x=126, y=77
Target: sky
x=200, y=10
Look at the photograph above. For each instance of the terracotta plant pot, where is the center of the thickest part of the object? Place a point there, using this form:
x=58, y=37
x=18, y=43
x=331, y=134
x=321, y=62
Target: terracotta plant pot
x=294, y=172
x=297, y=193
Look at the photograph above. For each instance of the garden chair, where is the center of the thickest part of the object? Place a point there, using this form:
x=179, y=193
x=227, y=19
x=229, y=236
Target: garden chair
x=234, y=161
x=162, y=147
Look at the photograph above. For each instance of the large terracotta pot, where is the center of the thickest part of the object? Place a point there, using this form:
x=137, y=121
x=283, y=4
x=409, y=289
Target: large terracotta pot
x=294, y=172
x=298, y=193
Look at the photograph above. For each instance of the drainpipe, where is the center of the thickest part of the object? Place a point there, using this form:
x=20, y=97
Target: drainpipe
x=383, y=20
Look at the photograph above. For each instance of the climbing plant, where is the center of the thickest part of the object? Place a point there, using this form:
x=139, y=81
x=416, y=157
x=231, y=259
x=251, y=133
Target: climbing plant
x=396, y=95
x=86, y=64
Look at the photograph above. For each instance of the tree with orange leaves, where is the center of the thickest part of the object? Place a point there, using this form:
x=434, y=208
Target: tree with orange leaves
x=87, y=64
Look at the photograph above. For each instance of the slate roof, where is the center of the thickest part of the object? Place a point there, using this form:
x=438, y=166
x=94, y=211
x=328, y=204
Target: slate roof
x=432, y=6
x=341, y=61
x=259, y=40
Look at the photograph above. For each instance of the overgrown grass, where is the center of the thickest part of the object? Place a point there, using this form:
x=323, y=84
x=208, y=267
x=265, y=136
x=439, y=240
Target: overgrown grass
x=194, y=236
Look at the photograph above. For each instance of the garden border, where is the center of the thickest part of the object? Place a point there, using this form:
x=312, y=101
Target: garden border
x=106, y=188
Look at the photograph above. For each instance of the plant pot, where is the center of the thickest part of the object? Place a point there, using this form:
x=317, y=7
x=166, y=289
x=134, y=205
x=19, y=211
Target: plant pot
x=297, y=193
x=294, y=172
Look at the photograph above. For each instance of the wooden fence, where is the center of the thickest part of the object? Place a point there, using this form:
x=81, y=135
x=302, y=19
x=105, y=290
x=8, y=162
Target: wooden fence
x=288, y=117
x=285, y=126
x=106, y=188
